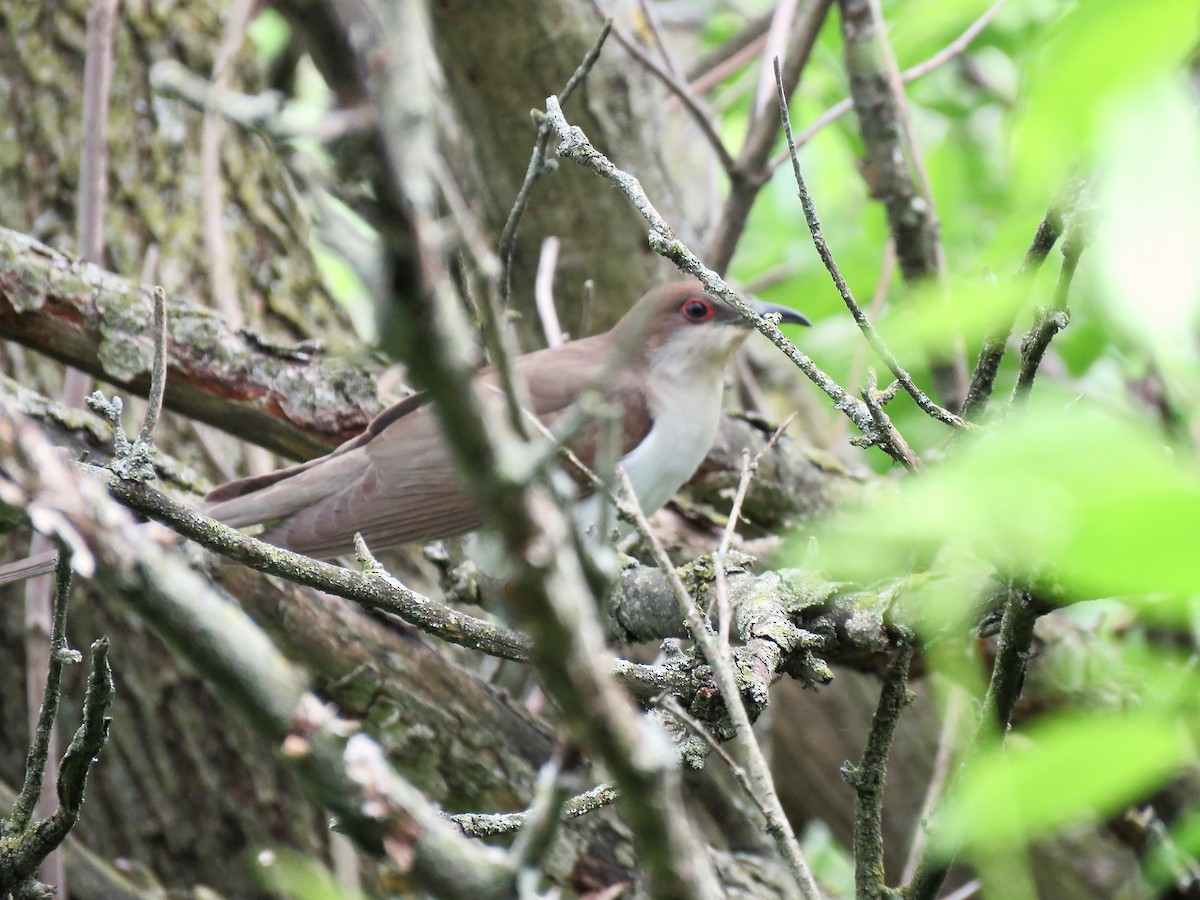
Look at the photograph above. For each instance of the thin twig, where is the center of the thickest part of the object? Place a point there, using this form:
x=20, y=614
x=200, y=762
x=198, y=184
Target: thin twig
x=983, y=380
x=1053, y=319
x=749, y=468
x=952, y=50
x=158, y=372
x=956, y=704
x=752, y=35
x=469, y=227
x=542, y=819
x=677, y=86
x=39, y=746
x=887, y=268
x=760, y=775
x=651, y=17
x=90, y=233
x=484, y=825
x=774, y=46
x=212, y=199
x=543, y=291
x=864, y=324
x=722, y=68
x=93, y=160
x=537, y=165
x=375, y=593
x=874, y=400
x=1004, y=687
x=673, y=706
x=869, y=776
x=30, y=567
x=753, y=163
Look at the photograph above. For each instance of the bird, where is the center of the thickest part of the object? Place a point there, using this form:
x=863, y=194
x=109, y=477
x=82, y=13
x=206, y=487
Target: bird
x=396, y=482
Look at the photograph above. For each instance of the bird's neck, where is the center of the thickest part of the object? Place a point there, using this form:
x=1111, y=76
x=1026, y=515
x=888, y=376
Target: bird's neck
x=684, y=388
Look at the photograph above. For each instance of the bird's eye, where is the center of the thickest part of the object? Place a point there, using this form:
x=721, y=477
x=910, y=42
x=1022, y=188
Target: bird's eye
x=696, y=310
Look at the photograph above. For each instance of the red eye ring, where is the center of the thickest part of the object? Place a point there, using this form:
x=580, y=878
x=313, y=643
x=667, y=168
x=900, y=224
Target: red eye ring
x=695, y=309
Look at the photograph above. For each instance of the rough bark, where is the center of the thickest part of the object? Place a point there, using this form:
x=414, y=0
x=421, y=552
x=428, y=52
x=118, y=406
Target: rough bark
x=174, y=790
x=154, y=176
x=501, y=66
x=286, y=397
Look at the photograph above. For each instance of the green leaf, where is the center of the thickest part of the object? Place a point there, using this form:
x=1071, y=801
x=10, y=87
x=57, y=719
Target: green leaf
x=1072, y=494
x=1099, y=51
x=271, y=32
x=1070, y=769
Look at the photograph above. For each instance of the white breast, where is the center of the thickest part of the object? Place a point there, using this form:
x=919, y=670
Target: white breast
x=685, y=426
x=685, y=392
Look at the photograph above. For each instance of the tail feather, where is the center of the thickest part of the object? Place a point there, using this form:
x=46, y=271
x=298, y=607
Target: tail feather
x=276, y=495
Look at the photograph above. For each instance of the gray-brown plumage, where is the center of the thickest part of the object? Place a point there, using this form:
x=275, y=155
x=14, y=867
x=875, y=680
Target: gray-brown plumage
x=396, y=483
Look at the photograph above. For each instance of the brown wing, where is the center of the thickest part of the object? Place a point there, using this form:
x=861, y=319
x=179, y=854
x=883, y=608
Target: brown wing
x=397, y=483
x=623, y=390
x=406, y=489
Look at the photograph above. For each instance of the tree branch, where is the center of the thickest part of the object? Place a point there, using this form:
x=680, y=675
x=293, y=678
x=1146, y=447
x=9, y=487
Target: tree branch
x=289, y=398
x=892, y=157
x=984, y=378
x=869, y=776
x=375, y=807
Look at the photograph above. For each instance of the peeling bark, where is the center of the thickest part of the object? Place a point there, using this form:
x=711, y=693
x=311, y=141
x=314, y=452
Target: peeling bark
x=290, y=398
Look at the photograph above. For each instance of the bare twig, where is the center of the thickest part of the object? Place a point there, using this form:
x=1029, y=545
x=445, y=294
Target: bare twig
x=727, y=63
x=948, y=53
x=984, y=379
x=764, y=787
x=774, y=46
x=92, y=202
x=864, y=324
x=752, y=35
x=28, y=844
x=892, y=160
x=538, y=167
x=375, y=593
x=650, y=15
x=672, y=705
x=469, y=227
x=59, y=656
x=266, y=113
x=93, y=160
x=212, y=199
x=1004, y=687
x=1050, y=320
x=542, y=819
x=749, y=468
x=887, y=268
x=490, y=824
x=956, y=704
x=868, y=777
x=29, y=567
x=753, y=163
x=677, y=86
x=543, y=292
x=874, y=400
x=158, y=372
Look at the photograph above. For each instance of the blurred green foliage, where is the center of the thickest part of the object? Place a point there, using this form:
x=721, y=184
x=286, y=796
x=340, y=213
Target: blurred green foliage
x=1090, y=492
x=1049, y=88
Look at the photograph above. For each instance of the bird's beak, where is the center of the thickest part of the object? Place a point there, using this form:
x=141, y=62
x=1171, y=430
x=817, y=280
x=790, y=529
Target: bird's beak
x=787, y=315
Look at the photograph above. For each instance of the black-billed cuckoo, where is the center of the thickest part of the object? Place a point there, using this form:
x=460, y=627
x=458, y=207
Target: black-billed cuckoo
x=396, y=483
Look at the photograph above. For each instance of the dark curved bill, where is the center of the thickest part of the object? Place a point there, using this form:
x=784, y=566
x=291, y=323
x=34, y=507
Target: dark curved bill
x=787, y=315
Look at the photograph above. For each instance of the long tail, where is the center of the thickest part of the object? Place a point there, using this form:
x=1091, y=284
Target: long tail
x=277, y=495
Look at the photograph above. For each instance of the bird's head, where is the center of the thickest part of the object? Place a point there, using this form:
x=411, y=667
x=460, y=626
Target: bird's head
x=686, y=327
